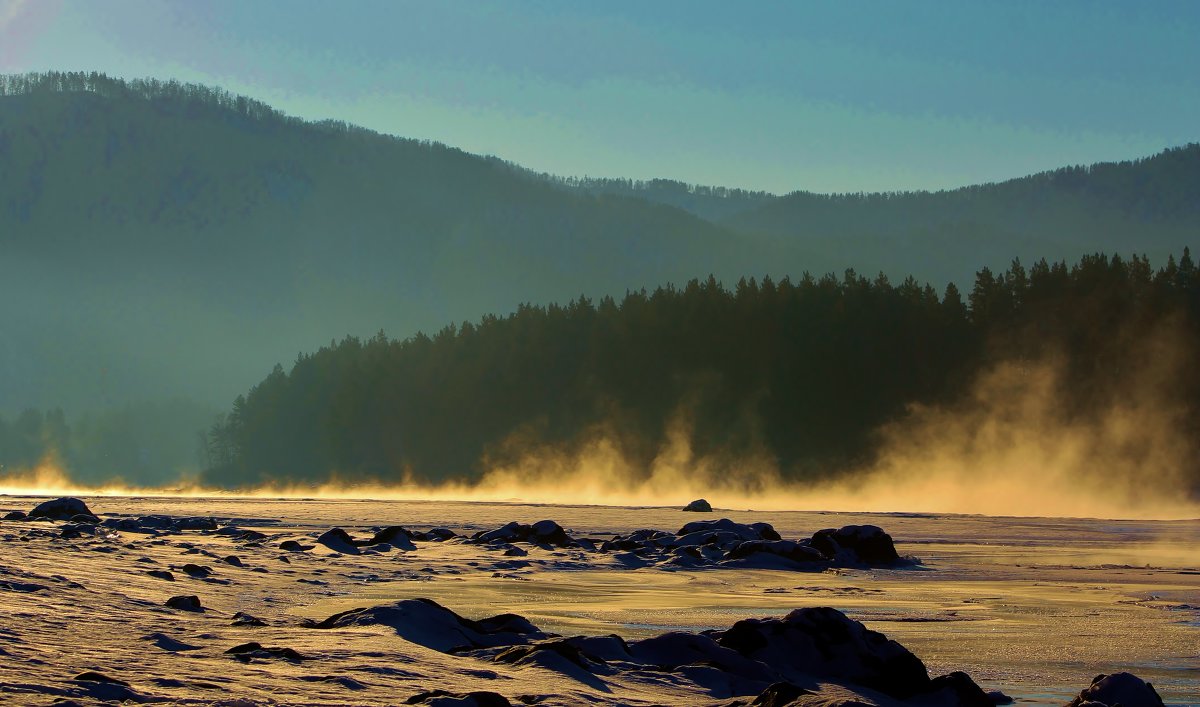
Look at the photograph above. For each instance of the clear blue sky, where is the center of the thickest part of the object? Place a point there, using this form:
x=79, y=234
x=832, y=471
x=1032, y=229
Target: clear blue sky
x=829, y=96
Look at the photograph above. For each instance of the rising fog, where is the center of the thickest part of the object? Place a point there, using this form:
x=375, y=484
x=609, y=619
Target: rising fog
x=1008, y=447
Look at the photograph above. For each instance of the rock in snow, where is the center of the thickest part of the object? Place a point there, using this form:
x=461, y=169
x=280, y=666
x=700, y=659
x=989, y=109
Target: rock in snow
x=543, y=532
x=698, y=506
x=856, y=545
x=61, y=509
x=338, y=540
x=427, y=623
x=1124, y=689
x=185, y=603
x=824, y=643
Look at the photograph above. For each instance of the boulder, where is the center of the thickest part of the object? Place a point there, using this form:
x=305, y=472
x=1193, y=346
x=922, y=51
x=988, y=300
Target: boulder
x=128, y=525
x=443, y=698
x=15, y=515
x=244, y=619
x=1124, y=689
x=246, y=651
x=440, y=534
x=185, y=603
x=197, y=571
x=194, y=524
x=675, y=648
x=394, y=535
x=698, y=506
x=961, y=690
x=787, y=549
x=427, y=623
x=825, y=644
x=543, y=532
x=61, y=509
x=856, y=545
x=338, y=540
x=748, y=531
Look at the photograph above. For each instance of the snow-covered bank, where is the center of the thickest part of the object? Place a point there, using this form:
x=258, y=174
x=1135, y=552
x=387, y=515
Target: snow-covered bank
x=1032, y=607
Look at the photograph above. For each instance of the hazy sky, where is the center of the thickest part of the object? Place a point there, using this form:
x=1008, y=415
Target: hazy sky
x=836, y=96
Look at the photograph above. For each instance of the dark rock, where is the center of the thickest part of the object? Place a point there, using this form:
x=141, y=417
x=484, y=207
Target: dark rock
x=157, y=522
x=796, y=552
x=393, y=535
x=246, y=651
x=250, y=536
x=22, y=587
x=72, y=531
x=746, y=531
x=185, y=603
x=698, y=506
x=15, y=515
x=85, y=518
x=825, y=644
x=194, y=524
x=61, y=509
x=91, y=676
x=1124, y=689
x=544, y=532
x=339, y=540
x=440, y=534
x=856, y=544
x=348, y=683
x=603, y=648
x=233, y=560
x=246, y=620
x=429, y=624
x=197, y=571
x=128, y=525
x=520, y=654
x=675, y=648
x=292, y=546
x=435, y=698
x=962, y=690
x=161, y=574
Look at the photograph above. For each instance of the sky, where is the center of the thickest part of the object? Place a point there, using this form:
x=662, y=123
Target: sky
x=820, y=96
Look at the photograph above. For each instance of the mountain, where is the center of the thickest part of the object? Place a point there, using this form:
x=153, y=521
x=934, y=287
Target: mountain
x=1148, y=206
x=161, y=240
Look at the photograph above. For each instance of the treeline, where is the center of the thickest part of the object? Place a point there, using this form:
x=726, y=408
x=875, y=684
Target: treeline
x=148, y=444
x=806, y=370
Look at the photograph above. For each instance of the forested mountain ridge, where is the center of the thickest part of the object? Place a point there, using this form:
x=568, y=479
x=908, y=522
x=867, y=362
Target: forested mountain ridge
x=160, y=239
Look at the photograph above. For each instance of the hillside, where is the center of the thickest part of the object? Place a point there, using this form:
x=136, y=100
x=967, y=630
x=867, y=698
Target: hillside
x=159, y=239
x=165, y=238
x=1148, y=206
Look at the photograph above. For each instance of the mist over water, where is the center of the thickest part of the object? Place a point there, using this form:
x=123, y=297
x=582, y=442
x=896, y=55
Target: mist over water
x=1009, y=446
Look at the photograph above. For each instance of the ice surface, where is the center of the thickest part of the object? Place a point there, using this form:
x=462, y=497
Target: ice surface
x=1031, y=606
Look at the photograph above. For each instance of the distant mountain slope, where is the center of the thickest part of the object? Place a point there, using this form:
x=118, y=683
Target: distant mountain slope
x=156, y=233
x=1149, y=206
x=712, y=203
